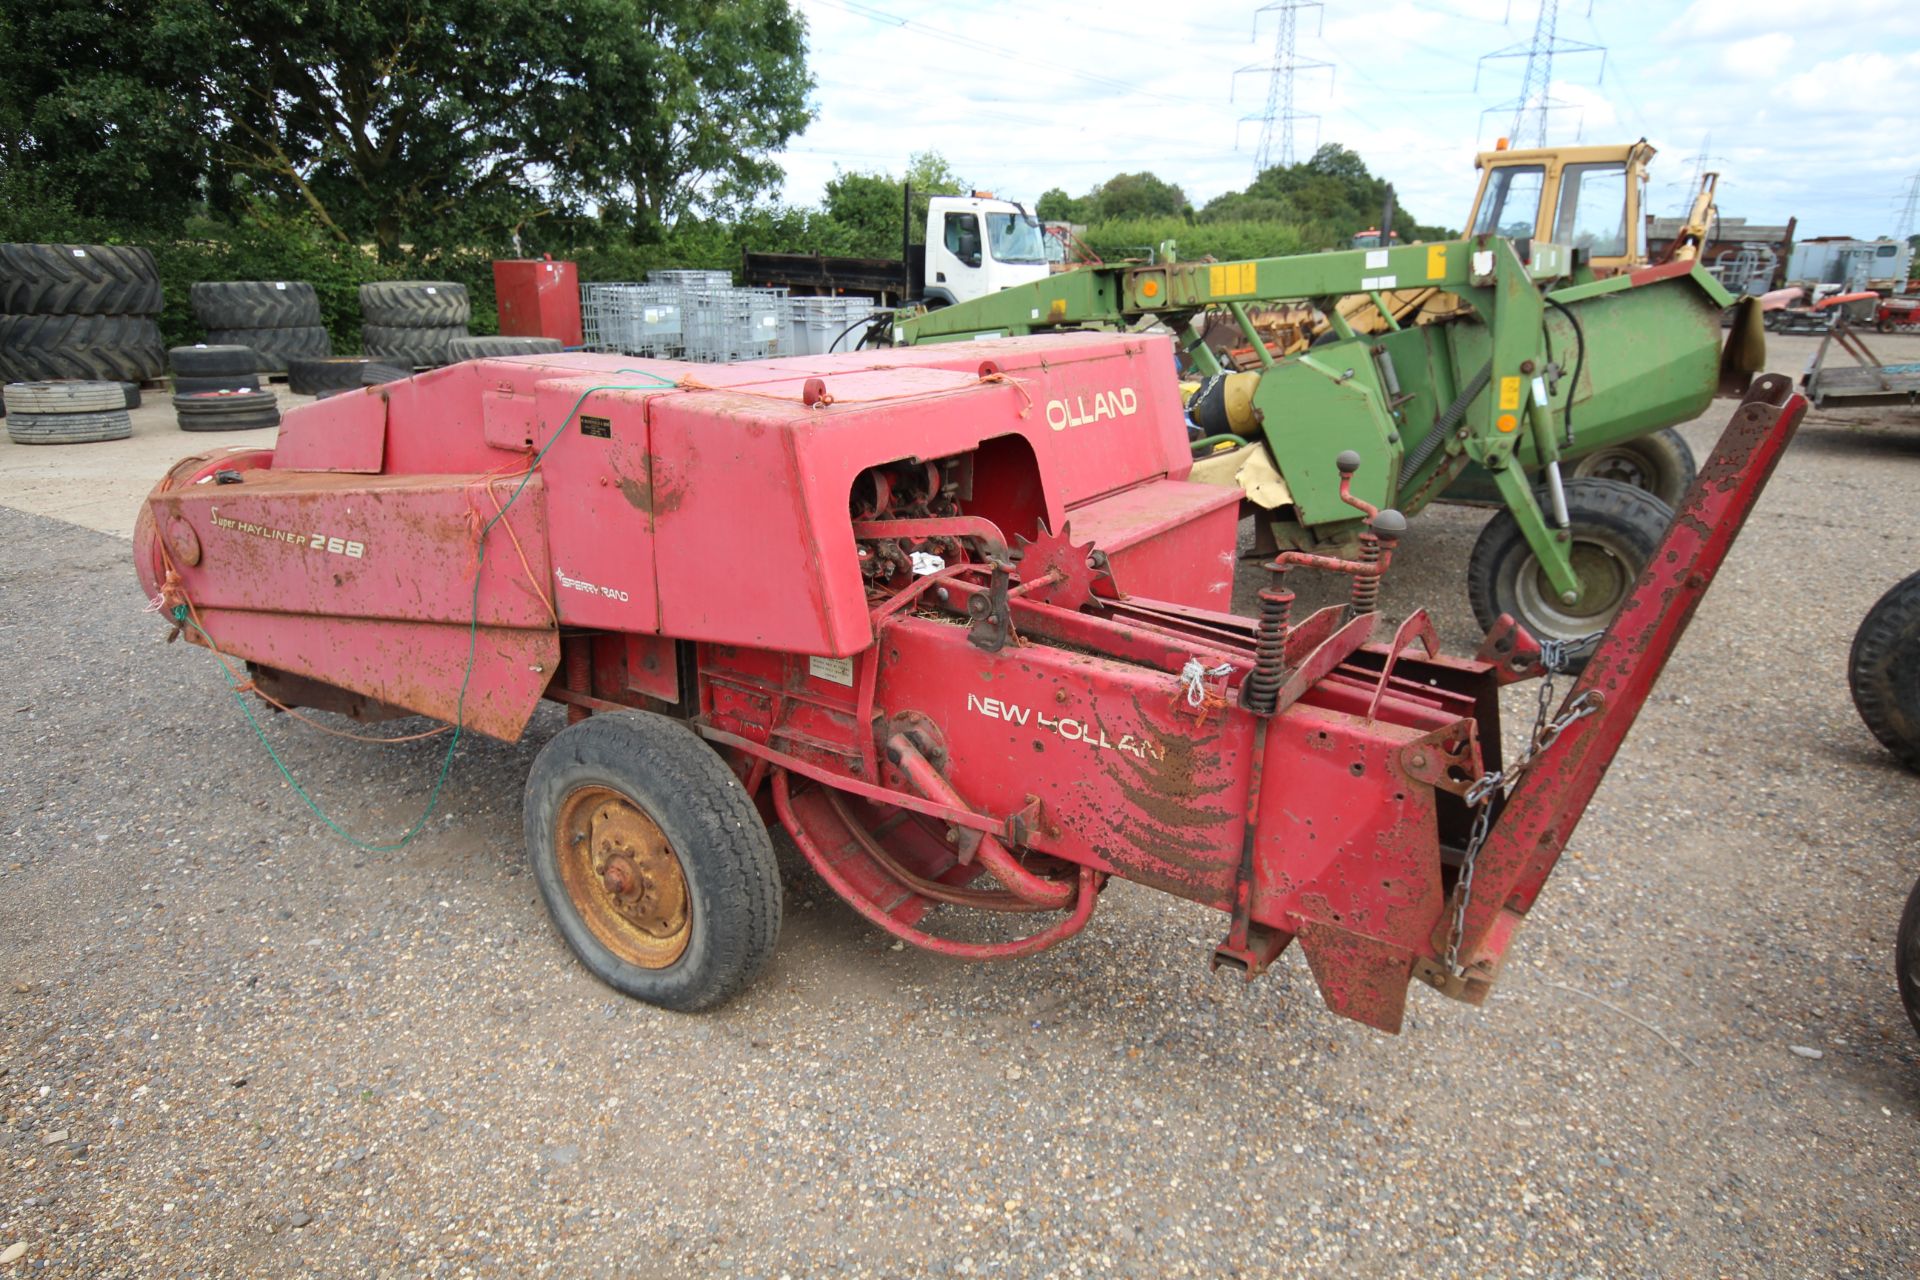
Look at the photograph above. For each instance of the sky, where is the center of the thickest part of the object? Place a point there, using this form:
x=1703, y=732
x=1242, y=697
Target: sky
x=1807, y=110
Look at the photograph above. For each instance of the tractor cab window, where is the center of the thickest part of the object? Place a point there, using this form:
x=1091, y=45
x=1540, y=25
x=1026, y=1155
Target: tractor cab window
x=1512, y=202
x=1015, y=237
x=1593, y=209
x=963, y=237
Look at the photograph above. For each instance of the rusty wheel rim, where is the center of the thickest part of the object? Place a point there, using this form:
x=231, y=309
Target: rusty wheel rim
x=623, y=876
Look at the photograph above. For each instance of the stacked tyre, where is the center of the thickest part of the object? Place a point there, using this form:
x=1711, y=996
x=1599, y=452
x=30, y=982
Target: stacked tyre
x=213, y=367
x=226, y=410
x=79, y=311
x=278, y=319
x=325, y=375
x=481, y=348
x=215, y=388
x=412, y=323
x=66, y=412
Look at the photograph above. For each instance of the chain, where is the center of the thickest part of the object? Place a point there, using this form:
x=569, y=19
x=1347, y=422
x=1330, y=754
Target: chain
x=1501, y=782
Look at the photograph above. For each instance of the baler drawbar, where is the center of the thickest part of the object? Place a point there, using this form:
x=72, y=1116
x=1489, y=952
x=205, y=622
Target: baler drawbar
x=954, y=616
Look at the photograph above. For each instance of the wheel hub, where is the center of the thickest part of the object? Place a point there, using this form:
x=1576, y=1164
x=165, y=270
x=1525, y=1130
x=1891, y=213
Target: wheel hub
x=624, y=876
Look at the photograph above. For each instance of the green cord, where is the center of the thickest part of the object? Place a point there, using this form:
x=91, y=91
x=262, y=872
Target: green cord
x=184, y=618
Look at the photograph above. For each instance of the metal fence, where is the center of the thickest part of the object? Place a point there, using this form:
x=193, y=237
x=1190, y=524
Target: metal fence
x=703, y=316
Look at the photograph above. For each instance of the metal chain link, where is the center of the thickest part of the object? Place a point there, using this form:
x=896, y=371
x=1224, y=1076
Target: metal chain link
x=1501, y=782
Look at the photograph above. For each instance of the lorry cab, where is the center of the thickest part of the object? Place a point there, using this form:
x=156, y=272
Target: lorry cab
x=977, y=245
x=1585, y=197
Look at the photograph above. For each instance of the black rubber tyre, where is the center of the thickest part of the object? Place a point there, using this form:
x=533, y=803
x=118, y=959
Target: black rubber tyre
x=311, y=375
x=414, y=304
x=199, y=386
x=255, y=304
x=376, y=373
x=1883, y=670
x=1616, y=529
x=272, y=348
x=44, y=348
x=408, y=347
x=204, y=360
x=713, y=834
x=63, y=397
x=68, y=428
x=1906, y=957
x=1661, y=463
x=131, y=393
x=484, y=347
x=78, y=280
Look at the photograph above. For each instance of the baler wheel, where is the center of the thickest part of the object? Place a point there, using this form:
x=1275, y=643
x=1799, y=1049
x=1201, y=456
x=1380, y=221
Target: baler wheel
x=1616, y=529
x=1883, y=670
x=1661, y=463
x=652, y=859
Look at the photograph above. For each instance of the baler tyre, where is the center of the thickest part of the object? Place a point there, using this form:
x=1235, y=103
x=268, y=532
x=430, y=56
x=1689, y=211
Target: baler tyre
x=415, y=304
x=1661, y=463
x=213, y=360
x=1616, y=528
x=63, y=397
x=47, y=348
x=311, y=375
x=272, y=348
x=68, y=428
x=254, y=304
x=198, y=386
x=499, y=345
x=409, y=347
x=652, y=859
x=1883, y=670
x=1906, y=957
x=78, y=280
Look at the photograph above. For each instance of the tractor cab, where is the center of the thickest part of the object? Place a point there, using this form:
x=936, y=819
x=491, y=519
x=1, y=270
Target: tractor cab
x=1585, y=197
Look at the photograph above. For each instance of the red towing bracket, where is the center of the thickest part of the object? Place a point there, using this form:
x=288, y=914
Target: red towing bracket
x=954, y=616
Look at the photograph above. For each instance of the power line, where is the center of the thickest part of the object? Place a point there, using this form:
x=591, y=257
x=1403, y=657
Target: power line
x=1905, y=227
x=1536, y=99
x=1276, y=123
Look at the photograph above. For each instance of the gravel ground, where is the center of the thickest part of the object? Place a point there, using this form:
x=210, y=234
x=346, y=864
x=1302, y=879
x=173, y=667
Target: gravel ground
x=231, y=1045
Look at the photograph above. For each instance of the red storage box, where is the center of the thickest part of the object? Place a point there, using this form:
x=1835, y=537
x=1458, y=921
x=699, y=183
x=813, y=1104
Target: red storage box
x=538, y=298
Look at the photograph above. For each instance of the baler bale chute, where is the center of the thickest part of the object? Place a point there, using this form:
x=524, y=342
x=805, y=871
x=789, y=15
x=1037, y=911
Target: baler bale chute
x=954, y=616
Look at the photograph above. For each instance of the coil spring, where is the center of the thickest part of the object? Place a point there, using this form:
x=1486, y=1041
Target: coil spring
x=1270, y=649
x=1366, y=586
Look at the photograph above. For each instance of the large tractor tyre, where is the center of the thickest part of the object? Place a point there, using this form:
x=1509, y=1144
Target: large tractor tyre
x=653, y=861
x=414, y=304
x=311, y=375
x=409, y=348
x=1616, y=528
x=78, y=280
x=68, y=428
x=213, y=361
x=373, y=373
x=1883, y=670
x=63, y=397
x=481, y=348
x=272, y=348
x=1661, y=463
x=255, y=304
x=1906, y=957
x=84, y=348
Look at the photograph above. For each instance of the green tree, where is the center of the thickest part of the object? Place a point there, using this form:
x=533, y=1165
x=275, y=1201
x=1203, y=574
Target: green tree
x=868, y=205
x=1057, y=206
x=1138, y=195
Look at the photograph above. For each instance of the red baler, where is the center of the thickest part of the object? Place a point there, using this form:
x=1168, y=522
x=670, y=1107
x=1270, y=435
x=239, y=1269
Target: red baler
x=953, y=615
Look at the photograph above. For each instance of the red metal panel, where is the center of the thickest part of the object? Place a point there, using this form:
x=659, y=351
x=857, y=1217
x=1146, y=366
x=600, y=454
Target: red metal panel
x=1126, y=783
x=401, y=547
x=1168, y=540
x=346, y=432
x=538, y=298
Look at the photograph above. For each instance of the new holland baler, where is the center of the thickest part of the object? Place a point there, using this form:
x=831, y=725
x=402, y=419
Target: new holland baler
x=951, y=615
